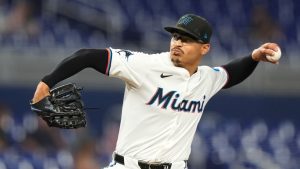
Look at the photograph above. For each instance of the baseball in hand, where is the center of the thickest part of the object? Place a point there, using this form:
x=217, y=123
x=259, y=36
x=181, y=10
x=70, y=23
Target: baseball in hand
x=275, y=57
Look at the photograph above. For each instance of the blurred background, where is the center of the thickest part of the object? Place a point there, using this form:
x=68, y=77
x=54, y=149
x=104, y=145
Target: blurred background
x=254, y=125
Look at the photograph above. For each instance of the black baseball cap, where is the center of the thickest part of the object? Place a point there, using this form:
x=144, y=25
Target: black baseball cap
x=193, y=26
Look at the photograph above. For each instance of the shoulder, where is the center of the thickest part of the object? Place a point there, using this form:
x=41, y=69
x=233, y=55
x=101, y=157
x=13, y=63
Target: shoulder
x=210, y=69
x=128, y=54
x=119, y=51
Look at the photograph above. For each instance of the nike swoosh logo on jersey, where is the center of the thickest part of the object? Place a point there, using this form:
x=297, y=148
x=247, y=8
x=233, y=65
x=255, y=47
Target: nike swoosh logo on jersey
x=163, y=75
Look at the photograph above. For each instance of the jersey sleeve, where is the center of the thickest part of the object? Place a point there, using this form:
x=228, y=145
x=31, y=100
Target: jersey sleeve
x=218, y=78
x=126, y=65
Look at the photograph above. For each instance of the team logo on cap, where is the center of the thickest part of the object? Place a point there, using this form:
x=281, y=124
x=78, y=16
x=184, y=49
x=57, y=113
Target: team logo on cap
x=185, y=20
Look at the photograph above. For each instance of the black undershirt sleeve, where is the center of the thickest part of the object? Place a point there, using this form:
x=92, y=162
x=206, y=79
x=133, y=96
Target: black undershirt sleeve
x=83, y=58
x=238, y=70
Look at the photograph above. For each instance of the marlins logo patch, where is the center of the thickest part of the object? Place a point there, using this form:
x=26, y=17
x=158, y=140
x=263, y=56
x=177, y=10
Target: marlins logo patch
x=127, y=53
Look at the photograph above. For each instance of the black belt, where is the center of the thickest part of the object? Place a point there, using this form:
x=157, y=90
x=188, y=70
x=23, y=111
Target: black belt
x=143, y=165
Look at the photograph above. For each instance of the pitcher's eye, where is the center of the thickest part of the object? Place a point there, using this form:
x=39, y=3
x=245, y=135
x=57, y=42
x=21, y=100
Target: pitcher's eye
x=175, y=36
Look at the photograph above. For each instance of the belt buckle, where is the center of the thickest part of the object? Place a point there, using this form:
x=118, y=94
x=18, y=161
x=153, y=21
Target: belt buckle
x=165, y=166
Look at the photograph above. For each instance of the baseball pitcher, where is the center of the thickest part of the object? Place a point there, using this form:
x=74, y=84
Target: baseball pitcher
x=165, y=94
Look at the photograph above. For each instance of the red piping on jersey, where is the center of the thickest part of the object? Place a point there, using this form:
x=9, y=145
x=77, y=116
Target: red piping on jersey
x=108, y=61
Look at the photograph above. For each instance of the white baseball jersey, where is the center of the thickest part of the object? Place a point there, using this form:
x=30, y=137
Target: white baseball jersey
x=162, y=104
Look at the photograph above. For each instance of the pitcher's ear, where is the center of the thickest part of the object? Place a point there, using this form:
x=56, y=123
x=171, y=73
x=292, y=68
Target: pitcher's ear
x=205, y=48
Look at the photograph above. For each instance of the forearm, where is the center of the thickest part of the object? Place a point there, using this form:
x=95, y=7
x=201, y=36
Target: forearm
x=239, y=69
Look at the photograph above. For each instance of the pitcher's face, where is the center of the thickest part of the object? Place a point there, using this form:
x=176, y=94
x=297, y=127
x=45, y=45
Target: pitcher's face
x=186, y=51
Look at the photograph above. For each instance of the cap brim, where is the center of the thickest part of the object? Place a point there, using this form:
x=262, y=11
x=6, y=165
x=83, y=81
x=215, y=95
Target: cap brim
x=182, y=31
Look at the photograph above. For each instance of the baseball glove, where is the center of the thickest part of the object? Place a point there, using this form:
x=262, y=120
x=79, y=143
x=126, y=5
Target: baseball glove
x=63, y=108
